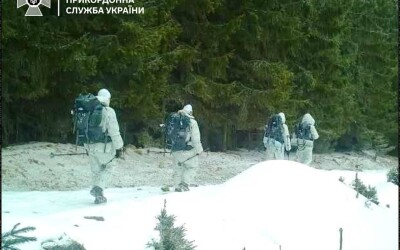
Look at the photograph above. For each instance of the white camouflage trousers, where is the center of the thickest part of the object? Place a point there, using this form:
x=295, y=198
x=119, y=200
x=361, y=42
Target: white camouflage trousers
x=304, y=154
x=99, y=154
x=275, y=150
x=186, y=171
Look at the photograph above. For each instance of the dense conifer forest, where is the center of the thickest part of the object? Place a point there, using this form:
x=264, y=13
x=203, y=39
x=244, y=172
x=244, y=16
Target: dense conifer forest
x=237, y=62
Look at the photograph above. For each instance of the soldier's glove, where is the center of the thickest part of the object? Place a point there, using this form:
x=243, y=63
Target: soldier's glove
x=118, y=153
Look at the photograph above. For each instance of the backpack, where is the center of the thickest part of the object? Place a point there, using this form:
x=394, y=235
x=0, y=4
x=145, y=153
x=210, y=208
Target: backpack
x=303, y=131
x=176, y=129
x=275, y=129
x=87, y=118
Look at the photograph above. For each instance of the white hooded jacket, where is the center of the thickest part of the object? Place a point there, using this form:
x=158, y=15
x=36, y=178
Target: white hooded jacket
x=193, y=137
x=109, y=123
x=286, y=135
x=308, y=119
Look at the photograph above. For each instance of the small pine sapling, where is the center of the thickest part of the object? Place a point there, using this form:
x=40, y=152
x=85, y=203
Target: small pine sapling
x=393, y=176
x=171, y=237
x=368, y=192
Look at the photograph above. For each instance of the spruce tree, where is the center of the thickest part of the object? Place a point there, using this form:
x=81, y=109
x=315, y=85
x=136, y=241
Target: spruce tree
x=171, y=237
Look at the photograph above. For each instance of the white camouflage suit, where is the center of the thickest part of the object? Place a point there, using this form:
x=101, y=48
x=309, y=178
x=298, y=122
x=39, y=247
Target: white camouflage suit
x=274, y=149
x=101, y=153
x=305, y=147
x=186, y=170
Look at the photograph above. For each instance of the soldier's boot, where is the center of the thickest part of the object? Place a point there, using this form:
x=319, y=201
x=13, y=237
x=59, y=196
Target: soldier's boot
x=182, y=187
x=97, y=192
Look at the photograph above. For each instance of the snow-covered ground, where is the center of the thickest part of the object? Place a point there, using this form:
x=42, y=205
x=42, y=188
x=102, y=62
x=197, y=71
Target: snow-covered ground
x=242, y=201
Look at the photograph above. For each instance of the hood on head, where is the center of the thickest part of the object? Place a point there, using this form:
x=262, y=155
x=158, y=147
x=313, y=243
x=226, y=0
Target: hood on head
x=282, y=115
x=105, y=93
x=307, y=118
x=188, y=109
x=104, y=96
x=104, y=100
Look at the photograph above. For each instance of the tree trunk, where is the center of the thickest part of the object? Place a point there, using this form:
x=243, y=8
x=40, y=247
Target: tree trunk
x=225, y=137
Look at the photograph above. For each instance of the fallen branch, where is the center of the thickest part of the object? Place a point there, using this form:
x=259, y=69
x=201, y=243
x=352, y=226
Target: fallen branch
x=98, y=218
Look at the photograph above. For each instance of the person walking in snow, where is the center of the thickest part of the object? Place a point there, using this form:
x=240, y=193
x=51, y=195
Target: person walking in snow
x=186, y=156
x=276, y=138
x=102, y=153
x=303, y=137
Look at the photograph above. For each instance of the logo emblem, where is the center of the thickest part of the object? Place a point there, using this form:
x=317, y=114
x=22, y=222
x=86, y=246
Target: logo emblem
x=33, y=6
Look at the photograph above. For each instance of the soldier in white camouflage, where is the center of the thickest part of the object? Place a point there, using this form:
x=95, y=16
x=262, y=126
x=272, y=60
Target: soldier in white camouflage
x=101, y=154
x=303, y=137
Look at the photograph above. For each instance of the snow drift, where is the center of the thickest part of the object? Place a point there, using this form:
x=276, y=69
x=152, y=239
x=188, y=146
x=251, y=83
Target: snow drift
x=270, y=205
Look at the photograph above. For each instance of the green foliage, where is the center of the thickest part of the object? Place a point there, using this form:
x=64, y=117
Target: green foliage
x=236, y=61
x=73, y=246
x=146, y=140
x=10, y=239
x=393, y=176
x=171, y=237
x=327, y=141
x=369, y=192
x=62, y=243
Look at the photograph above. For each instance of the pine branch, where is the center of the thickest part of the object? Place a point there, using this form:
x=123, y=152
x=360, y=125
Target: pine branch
x=11, y=238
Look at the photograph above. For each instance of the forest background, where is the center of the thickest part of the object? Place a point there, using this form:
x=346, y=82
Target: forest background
x=237, y=63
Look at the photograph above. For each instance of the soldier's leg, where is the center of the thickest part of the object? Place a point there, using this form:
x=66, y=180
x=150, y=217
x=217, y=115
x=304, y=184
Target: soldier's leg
x=307, y=158
x=178, y=168
x=299, y=155
x=270, y=153
x=100, y=171
x=305, y=155
x=97, y=190
x=190, y=171
x=279, y=151
x=95, y=168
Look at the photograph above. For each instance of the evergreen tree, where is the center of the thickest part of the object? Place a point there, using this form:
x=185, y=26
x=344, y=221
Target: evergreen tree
x=171, y=237
x=236, y=61
x=368, y=192
x=371, y=44
x=393, y=176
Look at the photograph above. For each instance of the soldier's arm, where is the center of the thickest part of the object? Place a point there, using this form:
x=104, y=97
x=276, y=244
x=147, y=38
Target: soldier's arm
x=195, y=137
x=286, y=137
x=113, y=129
x=314, y=132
